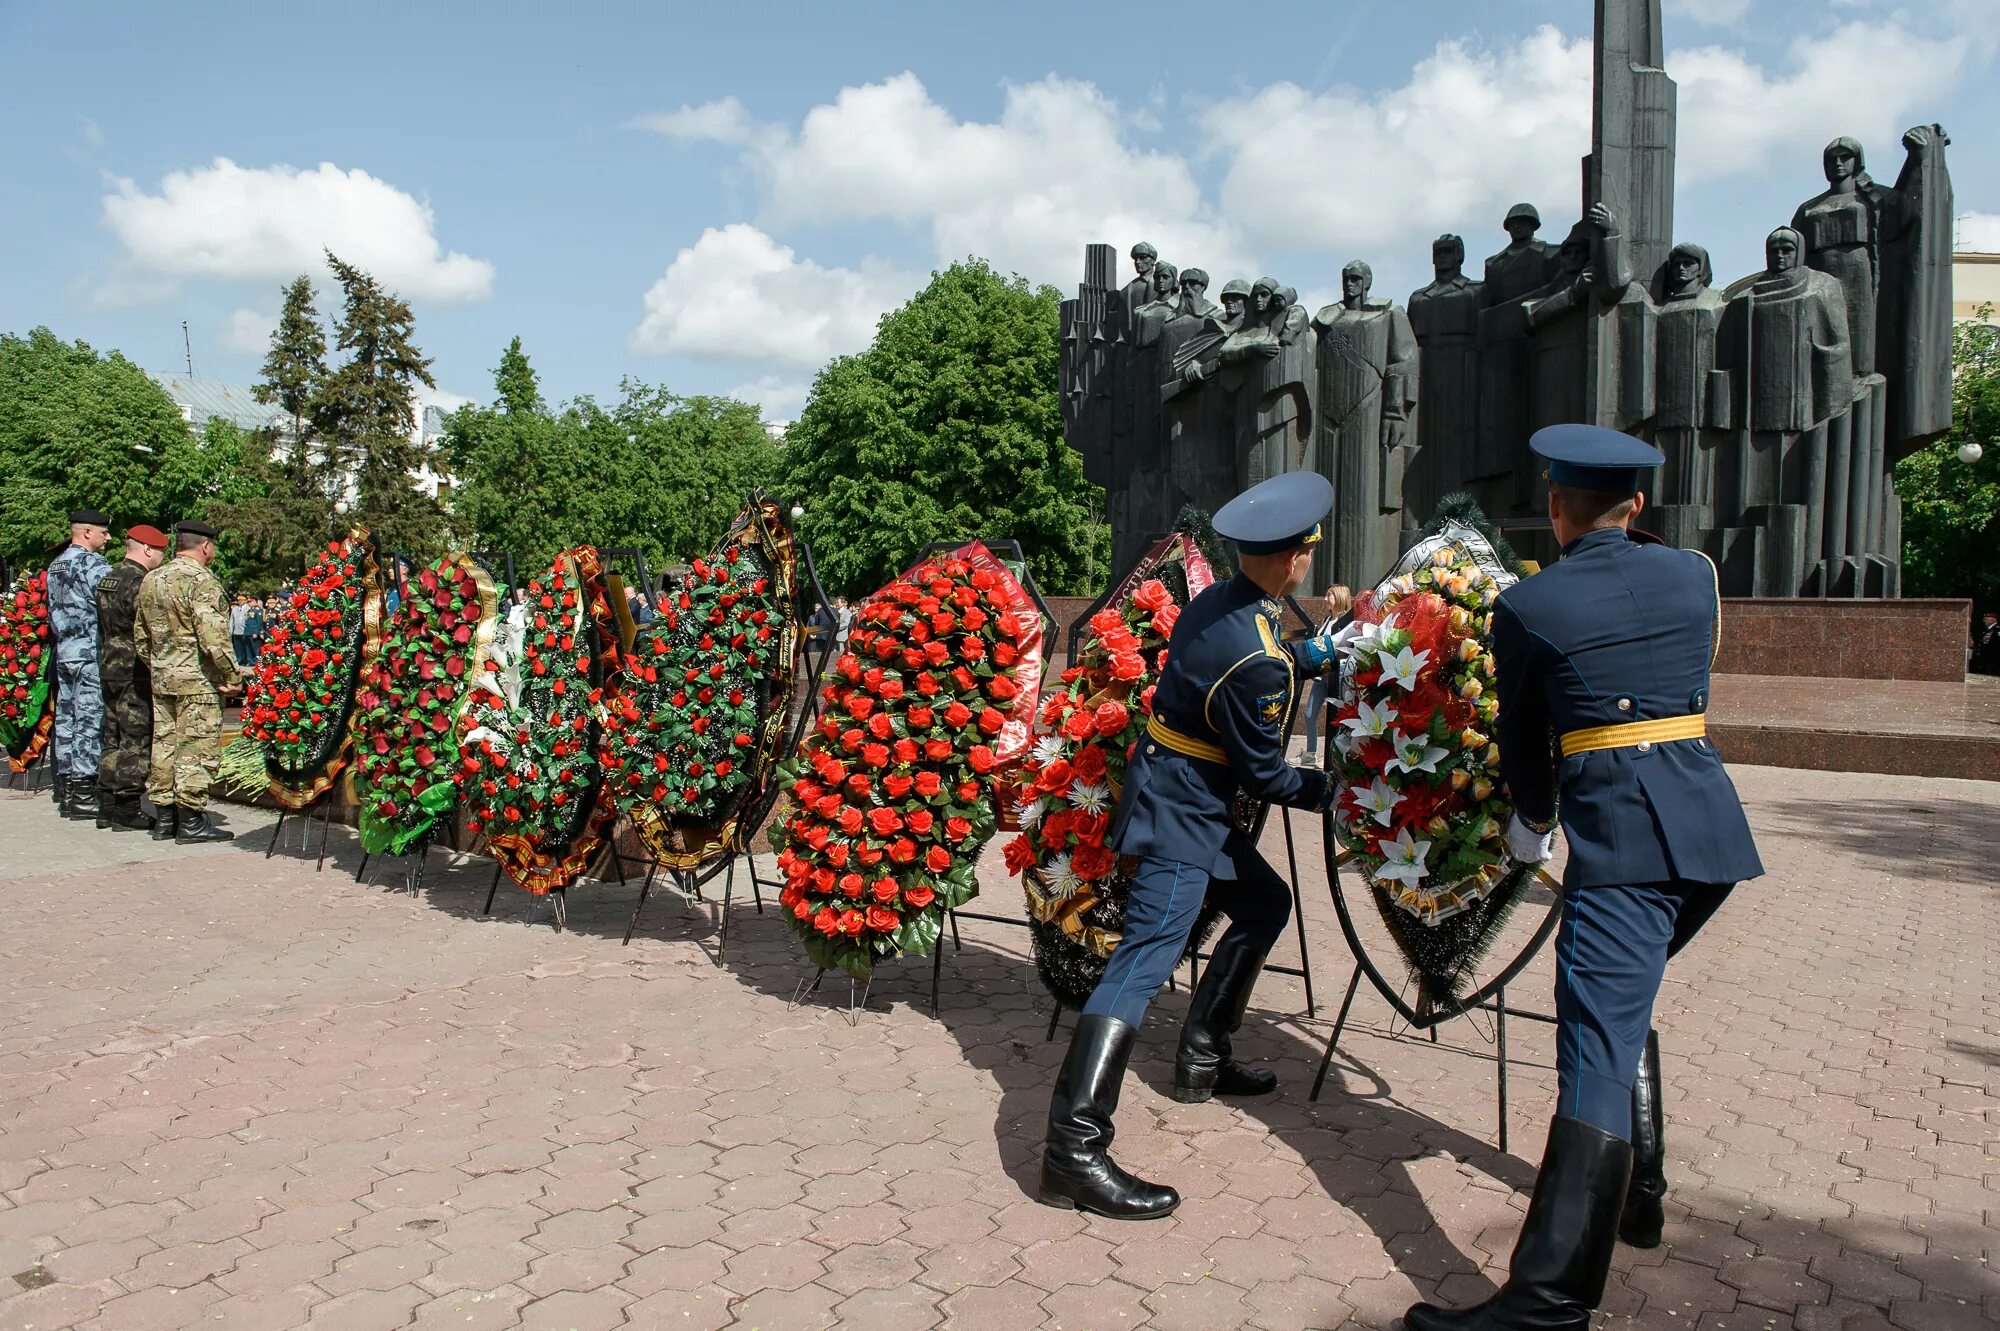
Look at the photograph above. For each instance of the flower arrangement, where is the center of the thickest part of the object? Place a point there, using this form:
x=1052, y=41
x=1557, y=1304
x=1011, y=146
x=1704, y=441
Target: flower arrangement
x=692, y=740
x=25, y=672
x=1424, y=812
x=411, y=697
x=1071, y=777
x=300, y=700
x=892, y=794
x=529, y=770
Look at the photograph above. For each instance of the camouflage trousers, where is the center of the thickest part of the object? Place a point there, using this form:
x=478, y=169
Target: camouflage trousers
x=79, y=719
x=187, y=749
x=128, y=739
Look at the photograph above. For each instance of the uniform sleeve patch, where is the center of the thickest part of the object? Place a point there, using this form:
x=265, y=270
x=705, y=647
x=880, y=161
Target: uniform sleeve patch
x=1271, y=706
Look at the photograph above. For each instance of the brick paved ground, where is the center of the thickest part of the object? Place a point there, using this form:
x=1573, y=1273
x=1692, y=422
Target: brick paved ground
x=237, y=1094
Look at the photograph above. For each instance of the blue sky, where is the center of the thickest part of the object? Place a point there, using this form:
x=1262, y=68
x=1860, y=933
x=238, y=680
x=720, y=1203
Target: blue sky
x=721, y=197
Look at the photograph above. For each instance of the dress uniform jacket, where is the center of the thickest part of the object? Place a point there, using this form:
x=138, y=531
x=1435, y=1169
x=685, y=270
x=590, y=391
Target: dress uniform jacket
x=1228, y=687
x=1619, y=631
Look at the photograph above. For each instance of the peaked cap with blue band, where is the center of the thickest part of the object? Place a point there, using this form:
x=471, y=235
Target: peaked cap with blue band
x=1280, y=514
x=1591, y=457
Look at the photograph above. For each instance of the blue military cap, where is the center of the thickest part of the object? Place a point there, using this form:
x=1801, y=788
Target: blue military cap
x=1591, y=457
x=1280, y=514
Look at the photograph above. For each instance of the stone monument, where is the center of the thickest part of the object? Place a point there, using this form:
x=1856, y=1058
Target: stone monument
x=1782, y=402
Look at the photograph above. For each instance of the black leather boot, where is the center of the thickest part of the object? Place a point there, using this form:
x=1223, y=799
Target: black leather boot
x=1204, y=1067
x=1077, y=1169
x=195, y=828
x=1563, y=1256
x=122, y=811
x=1644, y=1216
x=166, y=822
x=59, y=791
x=82, y=804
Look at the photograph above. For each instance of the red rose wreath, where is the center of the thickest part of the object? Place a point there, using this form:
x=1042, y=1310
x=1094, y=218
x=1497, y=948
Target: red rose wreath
x=529, y=768
x=892, y=795
x=300, y=703
x=26, y=672
x=409, y=702
x=692, y=742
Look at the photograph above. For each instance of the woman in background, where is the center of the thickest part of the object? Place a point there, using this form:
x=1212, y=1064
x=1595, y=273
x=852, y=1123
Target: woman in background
x=1339, y=610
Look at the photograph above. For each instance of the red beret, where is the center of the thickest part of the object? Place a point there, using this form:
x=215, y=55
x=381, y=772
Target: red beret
x=145, y=535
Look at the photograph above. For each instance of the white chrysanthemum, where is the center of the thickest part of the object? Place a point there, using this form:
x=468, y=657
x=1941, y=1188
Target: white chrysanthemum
x=1047, y=749
x=1061, y=878
x=1091, y=797
x=1030, y=816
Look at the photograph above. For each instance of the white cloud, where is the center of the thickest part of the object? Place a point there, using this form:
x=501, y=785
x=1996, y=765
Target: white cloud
x=1470, y=133
x=724, y=121
x=248, y=331
x=1977, y=233
x=737, y=294
x=1714, y=13
x=1057, y=171
x=271, y=223
x=779, y=398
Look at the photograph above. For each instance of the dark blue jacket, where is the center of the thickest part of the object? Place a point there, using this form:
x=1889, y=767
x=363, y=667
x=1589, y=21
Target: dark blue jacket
x=1618, y=631
x=1229, y=685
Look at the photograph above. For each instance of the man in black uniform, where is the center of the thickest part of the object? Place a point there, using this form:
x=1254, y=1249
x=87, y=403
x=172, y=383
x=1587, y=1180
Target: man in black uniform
x=128, y=687
x=1228, y=687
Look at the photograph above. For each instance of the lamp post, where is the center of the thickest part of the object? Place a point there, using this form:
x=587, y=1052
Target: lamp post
x=797, y=512
x=1970, y=452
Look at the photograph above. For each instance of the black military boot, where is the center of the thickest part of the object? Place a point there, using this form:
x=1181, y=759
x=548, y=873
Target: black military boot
x=1204, y=1067
x=1644, y=1216
x=59, y=791
x=1563, y=1256
x=123, y=812
x=83, y=804
x=166, y=821
x=1077, y=1169
x=195, y=829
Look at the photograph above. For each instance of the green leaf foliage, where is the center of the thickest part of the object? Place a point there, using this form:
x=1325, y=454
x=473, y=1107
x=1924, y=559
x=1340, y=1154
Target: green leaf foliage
x=1951, y=509
x=948, y=427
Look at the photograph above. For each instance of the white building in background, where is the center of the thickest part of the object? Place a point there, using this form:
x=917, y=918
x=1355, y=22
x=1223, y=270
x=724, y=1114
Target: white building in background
x=775, y=430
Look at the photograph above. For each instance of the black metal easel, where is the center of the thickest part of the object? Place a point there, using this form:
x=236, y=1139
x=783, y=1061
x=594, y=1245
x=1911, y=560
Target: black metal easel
x=319, y=809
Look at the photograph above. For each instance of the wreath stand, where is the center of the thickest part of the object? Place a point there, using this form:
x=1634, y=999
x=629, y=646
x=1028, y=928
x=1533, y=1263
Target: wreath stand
x=559, y=896
x=415, y=857
x=1489, y=997
x=689, y=883
x=319, y=809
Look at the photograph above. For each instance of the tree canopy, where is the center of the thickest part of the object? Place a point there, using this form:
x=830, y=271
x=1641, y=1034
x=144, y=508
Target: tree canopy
x=948, y=427
x=653, y=471
x=1951, y=509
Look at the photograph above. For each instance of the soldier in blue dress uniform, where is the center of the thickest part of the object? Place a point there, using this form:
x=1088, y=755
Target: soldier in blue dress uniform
x=73, y=579
x=1605, y=657
x=1228, y=688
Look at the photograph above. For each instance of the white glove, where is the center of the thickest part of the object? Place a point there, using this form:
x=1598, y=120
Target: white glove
x=1527, y=846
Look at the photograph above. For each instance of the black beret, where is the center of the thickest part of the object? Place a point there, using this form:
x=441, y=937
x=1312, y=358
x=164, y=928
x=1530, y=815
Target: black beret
x=193, y=528
x=88, y=517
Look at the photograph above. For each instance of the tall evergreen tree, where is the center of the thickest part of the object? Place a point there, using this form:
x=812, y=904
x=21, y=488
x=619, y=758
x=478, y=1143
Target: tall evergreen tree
x=366, y=412
x=296, y=363
x=519, y=387
x=296, y=511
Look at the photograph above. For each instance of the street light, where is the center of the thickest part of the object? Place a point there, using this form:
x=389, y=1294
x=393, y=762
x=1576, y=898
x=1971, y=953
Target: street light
x=1970, y=452
x=797, y=512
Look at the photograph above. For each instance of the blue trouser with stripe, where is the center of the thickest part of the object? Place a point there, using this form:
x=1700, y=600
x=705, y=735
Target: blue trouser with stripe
x=1611, y=950
x=1166, y=899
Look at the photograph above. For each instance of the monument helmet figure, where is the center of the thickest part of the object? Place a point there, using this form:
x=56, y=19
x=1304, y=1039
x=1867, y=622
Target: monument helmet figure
x=1523, y=221
x=1688, y=271
x=1448, y=256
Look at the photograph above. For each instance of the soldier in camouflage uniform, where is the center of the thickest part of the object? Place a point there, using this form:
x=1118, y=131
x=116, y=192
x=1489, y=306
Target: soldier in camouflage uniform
x=128, y=687
x=73, y=579
x=181, y=633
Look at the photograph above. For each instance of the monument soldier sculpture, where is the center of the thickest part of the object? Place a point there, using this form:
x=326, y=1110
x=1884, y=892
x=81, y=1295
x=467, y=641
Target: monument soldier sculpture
x=73, y=579
x=181, y=635
x=1444, y=317
x=128, y=687
x=1519, y=270
x=1367, y=358
x=1227, y=688
x=1609, y=649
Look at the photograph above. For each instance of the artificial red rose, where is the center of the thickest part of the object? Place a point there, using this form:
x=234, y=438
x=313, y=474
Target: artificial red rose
x=1019, y=854
x=918, y=897
x=885, y=822
x=1111, y=718
x=957, y=829
x=982, y=759
x=929, y=784
x=1054, y=778
x=920, y=821
x=1152, y=595
x=1089, y=764
x=883, y=920
x=957, y=715
x=937, y=859
x=1127, y=667
x=1092, y=862
x=897, y=785
x=991, y=720
x=826, y=921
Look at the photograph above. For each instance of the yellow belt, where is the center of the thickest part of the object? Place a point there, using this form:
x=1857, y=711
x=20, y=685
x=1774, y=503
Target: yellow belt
x=1634, y=732
x=1188, y=744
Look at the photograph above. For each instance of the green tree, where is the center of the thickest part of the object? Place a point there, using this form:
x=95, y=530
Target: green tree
x=295, y=366
x=365, y=415
x=76, y=430
x=948, y=427
x=515, y=380
x=1951, y=509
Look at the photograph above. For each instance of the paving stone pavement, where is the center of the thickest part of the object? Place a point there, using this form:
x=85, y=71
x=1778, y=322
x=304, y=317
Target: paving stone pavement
x=236, y=1093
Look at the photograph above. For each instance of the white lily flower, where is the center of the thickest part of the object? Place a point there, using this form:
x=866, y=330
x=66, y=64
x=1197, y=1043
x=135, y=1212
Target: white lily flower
x=1379, y=799
x=1364, y=638
x=1047, y=749
x=1415, y=754
x=1403, y=859
x=477, y=734
x=1370, y=720
x=1402, y=666
x=1093, y=797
